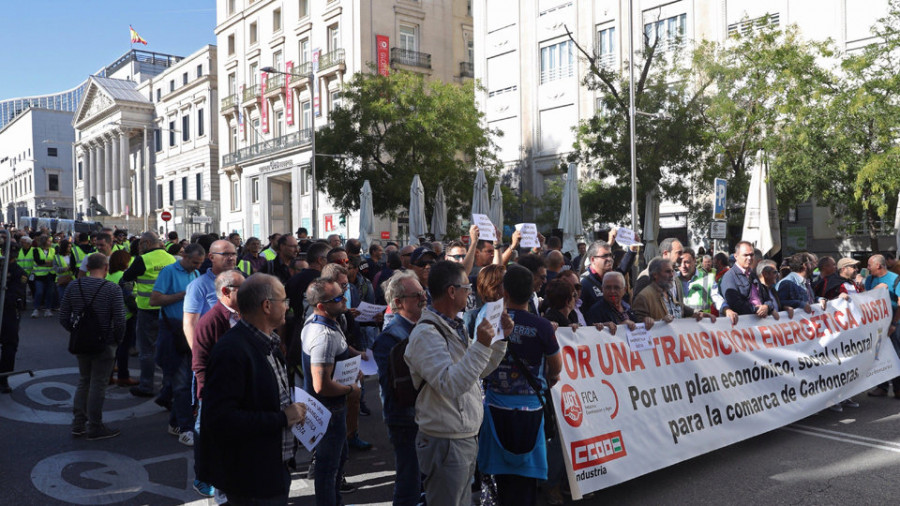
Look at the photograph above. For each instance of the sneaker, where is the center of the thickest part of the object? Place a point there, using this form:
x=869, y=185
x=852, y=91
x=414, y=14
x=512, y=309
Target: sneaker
x=186, y=438
x=48, y=313
x=850, y=403
x=175, y=431
x=102, y=432
x=164, y=403
x=204, y=489
x=878, y=392
x=35, y=314
x=836, y=407
x=78, y=429
x=358, y=444
x=364, y=410
x=346, y=488
x=137, y=392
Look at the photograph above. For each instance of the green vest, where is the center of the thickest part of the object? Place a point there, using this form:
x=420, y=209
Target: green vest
x=118, y=247
x=154, y=261
x=26, y=260
x=78, y=253
x=269, y=254
x=115, y=278
x=62, y=266
x=47, y=258
x=245, y=267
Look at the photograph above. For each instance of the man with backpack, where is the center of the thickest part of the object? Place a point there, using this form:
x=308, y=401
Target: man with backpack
x=445, y=369
x=407, y=299
x=93, y=311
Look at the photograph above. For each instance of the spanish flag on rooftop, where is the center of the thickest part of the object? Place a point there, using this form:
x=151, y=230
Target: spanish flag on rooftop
x=135, y=37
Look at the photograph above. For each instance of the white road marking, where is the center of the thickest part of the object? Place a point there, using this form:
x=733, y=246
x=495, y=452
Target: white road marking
x=890, y=446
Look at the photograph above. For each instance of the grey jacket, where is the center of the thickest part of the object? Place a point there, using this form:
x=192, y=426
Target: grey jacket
x=450, y=404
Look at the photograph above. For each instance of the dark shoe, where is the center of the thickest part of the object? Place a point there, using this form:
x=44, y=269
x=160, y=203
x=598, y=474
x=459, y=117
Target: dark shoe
x=358, y=444
x=127, y=382
x=137, y=392
x=5, y=388
x=878, y=392
x=102, y=432
x=78, y=429
x=364, y=410
x=164, y=403
x=346, y=488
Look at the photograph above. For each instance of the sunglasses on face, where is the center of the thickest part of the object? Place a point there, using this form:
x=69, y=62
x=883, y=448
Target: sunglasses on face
x=339, y=298
x=458, y=257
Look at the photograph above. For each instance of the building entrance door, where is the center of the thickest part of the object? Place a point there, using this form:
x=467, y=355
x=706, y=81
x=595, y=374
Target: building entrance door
x=280, y=204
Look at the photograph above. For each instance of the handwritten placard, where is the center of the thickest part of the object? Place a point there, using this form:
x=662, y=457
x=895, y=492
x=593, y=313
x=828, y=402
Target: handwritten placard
x=639, y=338
x=346, y=371
x=493, y=311
x=486, y=231
x=625, y=237
x=368, y=312
x=529, y=238
x=310, y=432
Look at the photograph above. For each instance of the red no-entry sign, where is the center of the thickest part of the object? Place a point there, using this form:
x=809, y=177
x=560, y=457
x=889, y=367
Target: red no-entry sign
x=166, y=216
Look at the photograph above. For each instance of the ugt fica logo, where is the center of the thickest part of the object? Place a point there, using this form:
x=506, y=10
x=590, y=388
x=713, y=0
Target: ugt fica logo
x=571, y=406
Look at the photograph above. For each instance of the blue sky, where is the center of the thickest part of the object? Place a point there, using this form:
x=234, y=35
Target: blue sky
x=48, y=46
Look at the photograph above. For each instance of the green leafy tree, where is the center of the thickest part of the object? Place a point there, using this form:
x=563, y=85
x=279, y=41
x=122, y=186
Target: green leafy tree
x=669, y=147
x=394, y=127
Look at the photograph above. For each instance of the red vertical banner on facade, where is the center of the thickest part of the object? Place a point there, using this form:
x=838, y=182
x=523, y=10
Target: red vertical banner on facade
x=263, y=103
x=382, y=43
x=288, y=96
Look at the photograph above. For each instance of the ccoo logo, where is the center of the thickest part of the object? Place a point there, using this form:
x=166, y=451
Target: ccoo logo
x=571, y=406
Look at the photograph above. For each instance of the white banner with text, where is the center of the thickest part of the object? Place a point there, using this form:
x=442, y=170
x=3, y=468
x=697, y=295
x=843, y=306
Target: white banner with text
x=703, y=386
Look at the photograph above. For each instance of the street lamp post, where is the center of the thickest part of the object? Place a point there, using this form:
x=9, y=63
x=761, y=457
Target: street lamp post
x=631, y=111
x=312, y=141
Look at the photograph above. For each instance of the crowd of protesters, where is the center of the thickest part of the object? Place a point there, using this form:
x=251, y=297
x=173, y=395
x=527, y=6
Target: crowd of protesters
x=234, y=326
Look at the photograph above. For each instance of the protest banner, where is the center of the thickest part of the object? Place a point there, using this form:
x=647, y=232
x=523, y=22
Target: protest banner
x=368, y=312
x=486, y=230
x=347, y=371
x=529, y=235
x=310, y=432
x=703, y=386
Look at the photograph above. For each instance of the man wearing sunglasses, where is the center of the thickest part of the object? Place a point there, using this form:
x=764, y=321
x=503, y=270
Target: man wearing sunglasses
x=422, y=260
x=323, y=346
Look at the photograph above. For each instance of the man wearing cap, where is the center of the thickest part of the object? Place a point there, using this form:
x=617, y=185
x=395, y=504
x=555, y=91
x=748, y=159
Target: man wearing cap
x=421, y=261
x=848, y=270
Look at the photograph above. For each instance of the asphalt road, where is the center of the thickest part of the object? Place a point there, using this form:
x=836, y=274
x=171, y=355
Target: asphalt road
x=851, y=457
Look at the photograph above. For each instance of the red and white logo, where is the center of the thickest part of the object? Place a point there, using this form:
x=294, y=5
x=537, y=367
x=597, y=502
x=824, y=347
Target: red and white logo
x=597, y=450
x=571, y=406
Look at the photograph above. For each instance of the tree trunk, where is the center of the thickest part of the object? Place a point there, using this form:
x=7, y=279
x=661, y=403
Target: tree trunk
x=873, y=232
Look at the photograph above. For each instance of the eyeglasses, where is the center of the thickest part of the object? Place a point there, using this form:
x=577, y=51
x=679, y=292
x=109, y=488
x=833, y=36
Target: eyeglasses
x=467, y=287
x=457, y=257
x=344, y=286
x=608, y=255
x=344, y=261
x=417, y=295
x=226, y=255
x=286, y=301
x=425, y=263
x=339, y=298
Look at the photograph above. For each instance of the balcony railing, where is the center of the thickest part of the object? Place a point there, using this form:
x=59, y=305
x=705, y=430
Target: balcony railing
x=332, y=59
x=300, y=72
x=274, y=81
x=466, y=69
x=229, y=101
x=251, y=93
x=410, y=58
x=276, y=145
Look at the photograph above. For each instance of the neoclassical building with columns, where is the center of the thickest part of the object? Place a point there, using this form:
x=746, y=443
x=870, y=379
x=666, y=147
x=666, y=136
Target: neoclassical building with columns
x=148, y=145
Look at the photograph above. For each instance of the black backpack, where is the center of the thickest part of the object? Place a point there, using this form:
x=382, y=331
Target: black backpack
x=88, y=335
x=400, y=379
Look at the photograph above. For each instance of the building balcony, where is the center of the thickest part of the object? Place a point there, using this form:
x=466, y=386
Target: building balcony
x=410, y=58
x=275, y=81
x=251, y=93
x=228, y=104
x=268, y=148
x=300, y=74
x=466, y=69
x=332, y=62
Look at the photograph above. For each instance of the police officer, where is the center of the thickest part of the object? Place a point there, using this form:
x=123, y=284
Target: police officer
x=12, y=305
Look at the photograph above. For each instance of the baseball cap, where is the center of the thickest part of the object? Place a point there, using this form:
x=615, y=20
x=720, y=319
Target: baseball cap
x=419, y=254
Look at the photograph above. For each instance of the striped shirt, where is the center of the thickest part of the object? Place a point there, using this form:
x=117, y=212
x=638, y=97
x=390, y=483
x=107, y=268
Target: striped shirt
x=108, y=305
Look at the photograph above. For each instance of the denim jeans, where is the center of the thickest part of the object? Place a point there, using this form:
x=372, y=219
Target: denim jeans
x=331, y=454
x=176, y=369
x=93, y=377
x=60, y=292
x=45, y=290
x=146, y=333
x=408, y=483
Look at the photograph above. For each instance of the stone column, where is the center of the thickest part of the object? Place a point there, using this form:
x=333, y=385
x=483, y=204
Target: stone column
x=97, y=165
x=124, y=173
x=107, y=175
x=86, y=177
x=146, y=199
x=116, y=180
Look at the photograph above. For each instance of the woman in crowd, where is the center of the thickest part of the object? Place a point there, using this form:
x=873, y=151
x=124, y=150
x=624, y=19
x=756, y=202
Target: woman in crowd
x=560, y=297
x=44, y=276
x=489, y=285
x=63, y=266
x=118, y=263
x=251, y=254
